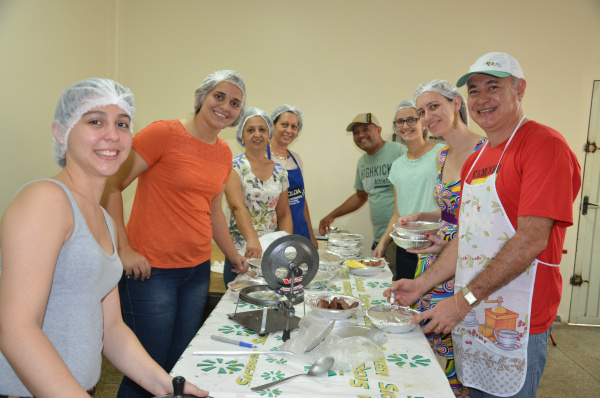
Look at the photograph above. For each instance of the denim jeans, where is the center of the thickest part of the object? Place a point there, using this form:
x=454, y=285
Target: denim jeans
x=537, y=353
x=165, y=313
x=228, y=276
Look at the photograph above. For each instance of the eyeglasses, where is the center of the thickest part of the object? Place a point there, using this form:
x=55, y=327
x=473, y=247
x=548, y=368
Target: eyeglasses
x=411, y=121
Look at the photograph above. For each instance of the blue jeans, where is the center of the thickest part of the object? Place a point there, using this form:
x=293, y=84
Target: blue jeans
x=537, y=353
x=228, y=276
x=165, y=313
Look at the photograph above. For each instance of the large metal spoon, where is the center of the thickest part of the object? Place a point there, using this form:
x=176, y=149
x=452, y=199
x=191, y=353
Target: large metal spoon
x=318, y=368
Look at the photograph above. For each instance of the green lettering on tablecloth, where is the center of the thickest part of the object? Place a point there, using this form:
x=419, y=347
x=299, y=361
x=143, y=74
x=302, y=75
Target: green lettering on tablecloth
x=381, y=368
x=360, y=285
x=347, y=288
x=246, y=378
x=360, y=377
x=387, y=390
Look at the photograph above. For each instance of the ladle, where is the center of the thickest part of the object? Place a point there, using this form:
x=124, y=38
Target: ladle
x=318, y=368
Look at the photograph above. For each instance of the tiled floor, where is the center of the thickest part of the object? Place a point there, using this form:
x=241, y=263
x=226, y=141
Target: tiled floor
x=572, y=370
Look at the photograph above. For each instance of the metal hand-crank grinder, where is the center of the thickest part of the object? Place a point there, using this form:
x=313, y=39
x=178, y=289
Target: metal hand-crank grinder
x=288, y=265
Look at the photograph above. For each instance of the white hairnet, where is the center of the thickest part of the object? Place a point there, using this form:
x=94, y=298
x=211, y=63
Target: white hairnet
x=402, y=105
x=251, y=112
x=288, y=108
x=448, y=90
x=78, y=99
x=215, y=78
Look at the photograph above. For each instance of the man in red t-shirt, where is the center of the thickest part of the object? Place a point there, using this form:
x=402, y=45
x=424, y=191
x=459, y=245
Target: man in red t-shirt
x=523, y=184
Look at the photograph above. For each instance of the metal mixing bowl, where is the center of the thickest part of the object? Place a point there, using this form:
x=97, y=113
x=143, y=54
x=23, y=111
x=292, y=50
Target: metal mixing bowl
x=312, y=302
x=407, y=243
x=417, y=229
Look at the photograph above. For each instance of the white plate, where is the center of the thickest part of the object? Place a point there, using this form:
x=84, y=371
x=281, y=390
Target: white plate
x=366, y=271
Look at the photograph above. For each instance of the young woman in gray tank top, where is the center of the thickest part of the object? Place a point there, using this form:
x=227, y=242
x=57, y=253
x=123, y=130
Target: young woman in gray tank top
x=59, y=305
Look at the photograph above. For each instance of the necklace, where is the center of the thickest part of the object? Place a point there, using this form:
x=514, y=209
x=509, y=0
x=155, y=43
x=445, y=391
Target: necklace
x=282, y=160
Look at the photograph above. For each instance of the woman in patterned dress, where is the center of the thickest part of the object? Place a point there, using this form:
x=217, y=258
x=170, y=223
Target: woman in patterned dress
x=443, y=111
x=257, y=193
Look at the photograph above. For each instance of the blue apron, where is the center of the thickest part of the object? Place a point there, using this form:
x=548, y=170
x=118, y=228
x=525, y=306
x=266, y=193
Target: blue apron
x=296, y=197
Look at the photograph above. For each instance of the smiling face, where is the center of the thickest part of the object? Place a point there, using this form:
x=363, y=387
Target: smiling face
x=495, y=104
x=437, y=112
x=406, y=132
x=222, y=105
x=256, y=134
x=367, y=137
x=286, y=129
x=100, y=141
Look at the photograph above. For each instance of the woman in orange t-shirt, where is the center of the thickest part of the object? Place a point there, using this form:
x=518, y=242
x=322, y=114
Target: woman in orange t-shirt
x=182, y=167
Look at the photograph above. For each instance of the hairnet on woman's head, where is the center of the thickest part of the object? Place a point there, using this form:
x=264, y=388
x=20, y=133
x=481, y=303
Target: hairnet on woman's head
x=78, y=99
x=448, y=90
x=215, y=78
x=288, y=108
x=251, y=112
x=402, y=105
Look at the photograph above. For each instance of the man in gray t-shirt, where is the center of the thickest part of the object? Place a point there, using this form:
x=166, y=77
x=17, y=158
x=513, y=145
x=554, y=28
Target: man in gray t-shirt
x=371, y=182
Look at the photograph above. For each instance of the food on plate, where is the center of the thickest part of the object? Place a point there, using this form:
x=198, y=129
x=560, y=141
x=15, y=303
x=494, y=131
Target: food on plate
x=373, y=262
x=355, y=264
x=366, y=262
x=336, y=304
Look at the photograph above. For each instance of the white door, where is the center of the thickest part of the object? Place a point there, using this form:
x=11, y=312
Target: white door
x=585, y=299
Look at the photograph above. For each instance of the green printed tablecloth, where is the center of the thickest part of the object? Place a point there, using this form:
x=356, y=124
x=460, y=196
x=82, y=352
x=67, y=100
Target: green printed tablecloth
x=409, y=369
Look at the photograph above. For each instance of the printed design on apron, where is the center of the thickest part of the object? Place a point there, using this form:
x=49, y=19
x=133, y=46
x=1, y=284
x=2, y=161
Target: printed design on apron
x=296, y=197
x=490, y=345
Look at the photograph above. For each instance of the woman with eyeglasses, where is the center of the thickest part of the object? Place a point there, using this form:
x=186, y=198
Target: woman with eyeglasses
x=413, y=177
x=443, y=111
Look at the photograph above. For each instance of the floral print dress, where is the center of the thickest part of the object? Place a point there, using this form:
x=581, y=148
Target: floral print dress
x=447, y=197
x=261, y=199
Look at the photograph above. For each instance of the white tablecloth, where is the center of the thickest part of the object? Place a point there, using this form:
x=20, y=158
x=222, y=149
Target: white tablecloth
x=409, y=369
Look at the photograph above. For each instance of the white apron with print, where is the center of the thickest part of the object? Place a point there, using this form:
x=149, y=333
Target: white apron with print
x=490, y=345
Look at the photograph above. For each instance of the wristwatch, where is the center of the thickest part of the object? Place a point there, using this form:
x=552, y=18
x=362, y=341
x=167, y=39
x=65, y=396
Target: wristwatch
x=469, y=296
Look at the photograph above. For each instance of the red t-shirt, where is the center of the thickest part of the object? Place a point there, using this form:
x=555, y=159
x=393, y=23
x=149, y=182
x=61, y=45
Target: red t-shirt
x=538, y=176
x=170, y=220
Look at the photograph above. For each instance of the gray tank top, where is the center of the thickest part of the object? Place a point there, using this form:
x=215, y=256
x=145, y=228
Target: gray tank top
x=73, y=321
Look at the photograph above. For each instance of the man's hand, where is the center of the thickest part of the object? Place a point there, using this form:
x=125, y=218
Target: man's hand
x=406, y=292
x=134, y=264
x=444, y=316
x=325, y=224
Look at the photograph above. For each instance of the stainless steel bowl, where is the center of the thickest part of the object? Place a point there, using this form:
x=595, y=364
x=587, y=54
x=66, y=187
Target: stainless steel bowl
x=417, y=229
x=333, y=314
x=345, y=252
x=345, y=240
x=392, y=318
x=320, y=280
x=407, y=243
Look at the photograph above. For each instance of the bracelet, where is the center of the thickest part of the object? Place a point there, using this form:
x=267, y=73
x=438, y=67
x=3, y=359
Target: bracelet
x=458, y=309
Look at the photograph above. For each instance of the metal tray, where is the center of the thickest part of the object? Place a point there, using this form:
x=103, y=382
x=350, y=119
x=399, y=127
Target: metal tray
x=392, y=318
x=332, y=314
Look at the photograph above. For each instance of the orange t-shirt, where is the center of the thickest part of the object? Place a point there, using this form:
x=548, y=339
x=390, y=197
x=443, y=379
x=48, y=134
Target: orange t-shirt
x=170, y=220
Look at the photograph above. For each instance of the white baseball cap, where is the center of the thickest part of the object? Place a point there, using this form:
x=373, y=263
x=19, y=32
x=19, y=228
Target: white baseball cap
x=496, y=64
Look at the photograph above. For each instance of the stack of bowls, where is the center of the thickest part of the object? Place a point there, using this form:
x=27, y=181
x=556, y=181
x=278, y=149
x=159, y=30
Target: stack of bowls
x=413, y=235
x=344, y=244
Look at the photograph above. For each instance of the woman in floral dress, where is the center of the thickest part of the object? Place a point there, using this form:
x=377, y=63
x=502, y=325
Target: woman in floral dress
x=443, y=111
x=257, y=193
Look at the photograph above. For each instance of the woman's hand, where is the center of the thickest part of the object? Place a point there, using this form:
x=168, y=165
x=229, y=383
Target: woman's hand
x=436, y=247
x=409, y=218
x=379, y=251
x=239, y=264
x=134, y=263
x=253, y=249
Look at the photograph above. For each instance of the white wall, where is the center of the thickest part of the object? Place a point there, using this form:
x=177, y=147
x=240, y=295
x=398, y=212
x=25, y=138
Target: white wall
x=332, y=58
